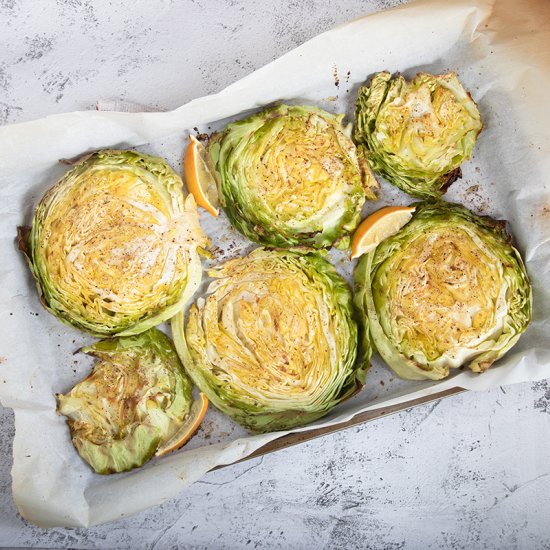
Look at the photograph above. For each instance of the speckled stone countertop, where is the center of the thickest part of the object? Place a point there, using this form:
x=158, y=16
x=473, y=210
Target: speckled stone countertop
x=471, y=471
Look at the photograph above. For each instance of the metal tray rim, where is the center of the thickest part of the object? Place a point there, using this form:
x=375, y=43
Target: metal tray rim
x=292, y=439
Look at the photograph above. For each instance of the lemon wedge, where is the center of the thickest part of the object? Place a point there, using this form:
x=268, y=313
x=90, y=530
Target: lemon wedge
x=199, y=176
x=379, y=226
x=188, y=428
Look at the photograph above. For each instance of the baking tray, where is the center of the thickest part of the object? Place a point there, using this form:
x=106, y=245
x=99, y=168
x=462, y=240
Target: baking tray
x=474, y=37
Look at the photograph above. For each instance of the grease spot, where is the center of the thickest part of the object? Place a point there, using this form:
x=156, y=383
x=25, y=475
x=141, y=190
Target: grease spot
x=474, y=193
x=336, y=76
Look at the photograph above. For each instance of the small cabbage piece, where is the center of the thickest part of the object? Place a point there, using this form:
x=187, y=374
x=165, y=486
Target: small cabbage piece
x=417, y=134
x=448, y=290
x=291, y=176
x=114, y=244
x=273, y=343
x=135, y=399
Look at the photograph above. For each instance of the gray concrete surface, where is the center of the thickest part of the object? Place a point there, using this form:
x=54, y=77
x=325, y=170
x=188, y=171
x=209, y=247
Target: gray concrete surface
x=472, y=471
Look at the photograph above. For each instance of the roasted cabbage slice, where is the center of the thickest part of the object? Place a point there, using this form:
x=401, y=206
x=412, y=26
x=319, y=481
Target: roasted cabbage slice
x=448, y=290
x=135, y=400
x=114, y=244
x=290, y=176
x=273, y=343
x=417, y=134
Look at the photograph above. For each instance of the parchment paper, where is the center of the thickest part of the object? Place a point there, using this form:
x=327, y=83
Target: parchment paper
x=501, y=51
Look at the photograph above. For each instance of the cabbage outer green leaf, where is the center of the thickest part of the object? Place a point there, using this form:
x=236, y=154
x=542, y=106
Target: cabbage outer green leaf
x=448, y=290
x=291, y=176
x=416, y=134
x=135, y=399
x=114, y=244
x=273, y=343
